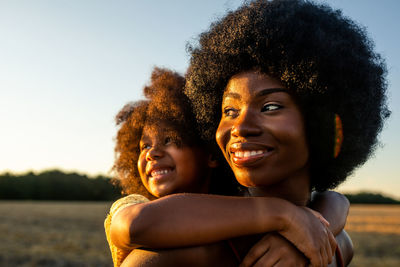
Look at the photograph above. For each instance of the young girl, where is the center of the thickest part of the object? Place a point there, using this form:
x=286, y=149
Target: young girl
x=169, y=161
x=154, y=158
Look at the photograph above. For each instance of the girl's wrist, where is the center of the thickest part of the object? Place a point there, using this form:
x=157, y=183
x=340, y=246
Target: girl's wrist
x=286, y=213
x=279, y=213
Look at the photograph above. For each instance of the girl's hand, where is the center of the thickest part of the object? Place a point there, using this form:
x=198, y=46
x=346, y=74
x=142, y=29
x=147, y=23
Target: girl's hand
x=309, y=232
x=274, y=250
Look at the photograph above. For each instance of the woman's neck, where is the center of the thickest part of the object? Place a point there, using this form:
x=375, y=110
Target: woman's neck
x=295, y=189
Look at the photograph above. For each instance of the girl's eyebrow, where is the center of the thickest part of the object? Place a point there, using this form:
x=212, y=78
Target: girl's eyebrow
x=232, y=95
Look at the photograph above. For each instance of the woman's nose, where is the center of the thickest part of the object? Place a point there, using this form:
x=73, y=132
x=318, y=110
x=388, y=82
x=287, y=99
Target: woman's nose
x=154, y=153
x=245, y=125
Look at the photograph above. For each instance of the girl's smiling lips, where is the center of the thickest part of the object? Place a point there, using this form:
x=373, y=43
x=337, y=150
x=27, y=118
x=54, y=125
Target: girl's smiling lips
x=246, y=154
x=158, y=172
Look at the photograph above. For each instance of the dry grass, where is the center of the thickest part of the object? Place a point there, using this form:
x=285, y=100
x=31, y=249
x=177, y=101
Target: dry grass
x=374, y=218
x=53, y=234
x=72, y=234
x=375, y=231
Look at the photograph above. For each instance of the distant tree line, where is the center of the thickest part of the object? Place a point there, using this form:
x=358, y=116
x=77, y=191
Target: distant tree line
x=58, y=185
x=370, y=198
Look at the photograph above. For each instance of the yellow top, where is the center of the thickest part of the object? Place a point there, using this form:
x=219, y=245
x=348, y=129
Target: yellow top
x=118, y=255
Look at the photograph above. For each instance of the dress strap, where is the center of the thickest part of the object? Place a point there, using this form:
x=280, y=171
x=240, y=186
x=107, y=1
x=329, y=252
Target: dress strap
x=339, y=257
x=234, y=250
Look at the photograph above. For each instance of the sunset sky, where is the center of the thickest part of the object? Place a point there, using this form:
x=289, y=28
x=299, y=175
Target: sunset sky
x=67, y=67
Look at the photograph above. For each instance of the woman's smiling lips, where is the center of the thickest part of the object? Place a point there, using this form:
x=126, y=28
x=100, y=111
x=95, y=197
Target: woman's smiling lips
x=246, y=154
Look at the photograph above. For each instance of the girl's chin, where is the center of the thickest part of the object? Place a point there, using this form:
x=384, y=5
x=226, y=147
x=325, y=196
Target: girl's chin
x=161, y=192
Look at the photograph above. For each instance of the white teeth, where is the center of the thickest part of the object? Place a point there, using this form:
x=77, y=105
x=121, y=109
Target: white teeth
x=160, y=172
x=247, y=153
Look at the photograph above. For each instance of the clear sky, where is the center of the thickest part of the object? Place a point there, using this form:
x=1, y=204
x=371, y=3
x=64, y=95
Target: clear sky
x=68, y=66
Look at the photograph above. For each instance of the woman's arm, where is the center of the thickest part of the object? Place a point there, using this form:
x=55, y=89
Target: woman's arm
x=333, y=206
x=193, y=219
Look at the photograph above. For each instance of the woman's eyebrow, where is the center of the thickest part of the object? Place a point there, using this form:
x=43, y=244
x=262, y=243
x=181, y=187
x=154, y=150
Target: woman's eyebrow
x=268, y=91
x=263, y=92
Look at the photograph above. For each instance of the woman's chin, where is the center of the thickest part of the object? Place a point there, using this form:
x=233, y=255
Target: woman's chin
x=246, y=181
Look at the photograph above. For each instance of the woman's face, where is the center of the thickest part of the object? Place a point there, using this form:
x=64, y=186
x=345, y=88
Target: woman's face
x=166, y=167
x=261, y=132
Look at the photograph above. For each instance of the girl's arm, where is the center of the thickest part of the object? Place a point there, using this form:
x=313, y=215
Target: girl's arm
x=333, y=206
x=193, y=219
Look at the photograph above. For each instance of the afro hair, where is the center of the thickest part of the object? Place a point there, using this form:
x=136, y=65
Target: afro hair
x=165, y=106
x=327, y=61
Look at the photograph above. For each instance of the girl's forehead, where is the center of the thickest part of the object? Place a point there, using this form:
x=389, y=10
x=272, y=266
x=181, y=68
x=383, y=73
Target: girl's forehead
x=158, y=130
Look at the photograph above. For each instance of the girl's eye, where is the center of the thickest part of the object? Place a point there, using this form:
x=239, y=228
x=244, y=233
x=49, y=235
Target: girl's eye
x=230, y=112
x=270, y=107
x=144, y=147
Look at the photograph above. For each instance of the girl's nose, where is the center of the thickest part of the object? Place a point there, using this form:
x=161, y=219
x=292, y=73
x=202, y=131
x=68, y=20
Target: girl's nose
x=245, y=125
x=154, y=153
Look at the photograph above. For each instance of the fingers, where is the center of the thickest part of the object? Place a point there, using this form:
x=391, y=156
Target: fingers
x=274, y=250
x=324, y=256
x=333, y=245
x=329, y=248
x=314, y=254
x=283, y=254
x=266, y=261
x=290, y=260
x=256, y=252
x=327, y=251
x=310, y=234
x=320, y=217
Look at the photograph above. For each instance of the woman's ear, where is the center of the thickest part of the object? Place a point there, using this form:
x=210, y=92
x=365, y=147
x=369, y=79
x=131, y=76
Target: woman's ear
x=212, y=161
x=338, y=136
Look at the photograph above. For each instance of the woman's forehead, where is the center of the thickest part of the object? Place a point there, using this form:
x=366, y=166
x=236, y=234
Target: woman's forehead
x=251, y=82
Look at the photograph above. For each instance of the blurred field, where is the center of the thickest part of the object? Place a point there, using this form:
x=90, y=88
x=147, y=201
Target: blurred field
x=53, y=234
x=375, y=231
x=71, y=234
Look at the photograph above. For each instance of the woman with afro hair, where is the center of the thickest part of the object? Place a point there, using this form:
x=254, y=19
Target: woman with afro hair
x=159, y=153
x=293, y=92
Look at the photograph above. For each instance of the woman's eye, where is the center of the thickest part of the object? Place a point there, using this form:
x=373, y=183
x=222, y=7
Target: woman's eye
x=230, y=112
x=270, y=107
x=168, y=140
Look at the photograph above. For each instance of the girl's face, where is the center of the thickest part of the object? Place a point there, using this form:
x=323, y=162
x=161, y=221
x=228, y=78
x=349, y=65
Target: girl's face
x=261, y=132
x=166, y=167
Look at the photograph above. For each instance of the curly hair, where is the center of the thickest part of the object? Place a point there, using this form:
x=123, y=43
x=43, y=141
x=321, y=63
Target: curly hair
x=165, y=106
x=324, y=58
